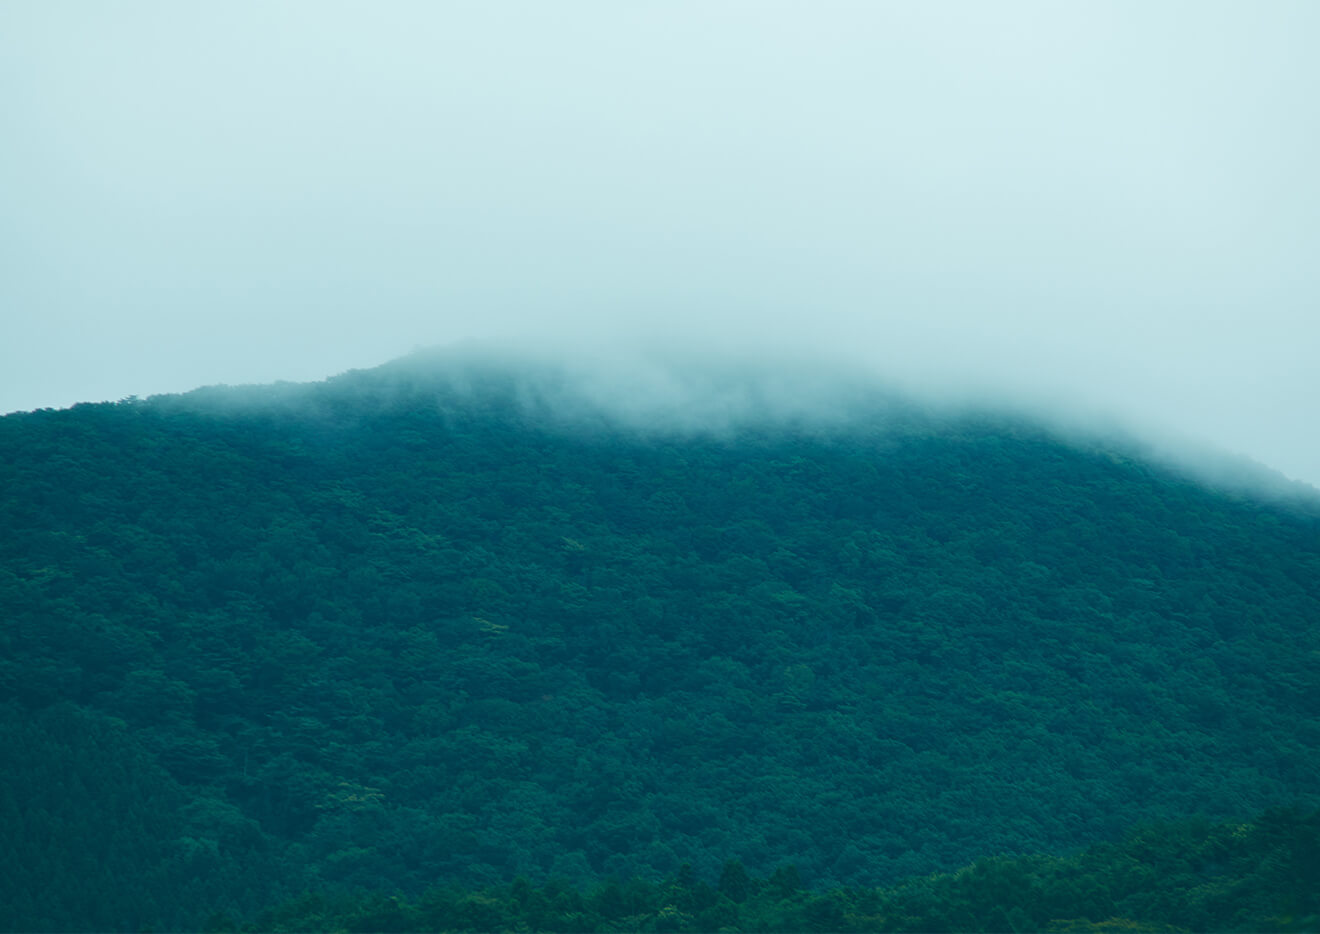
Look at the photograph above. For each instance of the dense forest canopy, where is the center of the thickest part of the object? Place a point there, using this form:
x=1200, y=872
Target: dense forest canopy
x=455, y=621
x=1262, y=875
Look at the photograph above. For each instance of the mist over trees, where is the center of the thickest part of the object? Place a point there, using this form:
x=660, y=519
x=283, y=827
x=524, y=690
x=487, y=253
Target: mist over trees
x=457, y=621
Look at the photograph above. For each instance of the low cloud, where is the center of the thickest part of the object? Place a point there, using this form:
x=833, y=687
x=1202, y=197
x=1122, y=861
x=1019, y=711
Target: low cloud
x=1076, y=208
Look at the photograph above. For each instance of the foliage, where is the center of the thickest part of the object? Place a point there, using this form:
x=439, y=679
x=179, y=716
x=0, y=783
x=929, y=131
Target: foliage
x=378, y=633
x=1261, y=876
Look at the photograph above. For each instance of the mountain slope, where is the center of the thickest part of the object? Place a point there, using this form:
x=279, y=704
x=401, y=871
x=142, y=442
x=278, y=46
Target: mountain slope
x=456, y=620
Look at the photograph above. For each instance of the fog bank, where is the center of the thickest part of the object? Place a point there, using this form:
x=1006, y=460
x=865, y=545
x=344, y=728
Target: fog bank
x=1087, y=206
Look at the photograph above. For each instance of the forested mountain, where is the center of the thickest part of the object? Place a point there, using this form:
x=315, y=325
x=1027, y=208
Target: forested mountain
x=456, y=621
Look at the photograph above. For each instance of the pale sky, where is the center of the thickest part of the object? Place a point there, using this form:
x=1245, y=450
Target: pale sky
x=1114, y=205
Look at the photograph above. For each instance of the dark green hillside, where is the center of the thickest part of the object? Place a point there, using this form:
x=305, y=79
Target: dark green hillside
x=399, y=629
x=1183, y=876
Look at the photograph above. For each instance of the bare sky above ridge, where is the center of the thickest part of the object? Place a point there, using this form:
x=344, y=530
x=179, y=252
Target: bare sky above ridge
x=1113, y=205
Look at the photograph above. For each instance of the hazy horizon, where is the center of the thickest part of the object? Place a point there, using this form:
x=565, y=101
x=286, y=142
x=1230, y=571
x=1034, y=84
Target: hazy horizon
x=1108, y=207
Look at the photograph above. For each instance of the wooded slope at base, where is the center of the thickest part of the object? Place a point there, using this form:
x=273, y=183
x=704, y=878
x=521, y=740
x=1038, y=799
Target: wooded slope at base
x=1184, y=876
